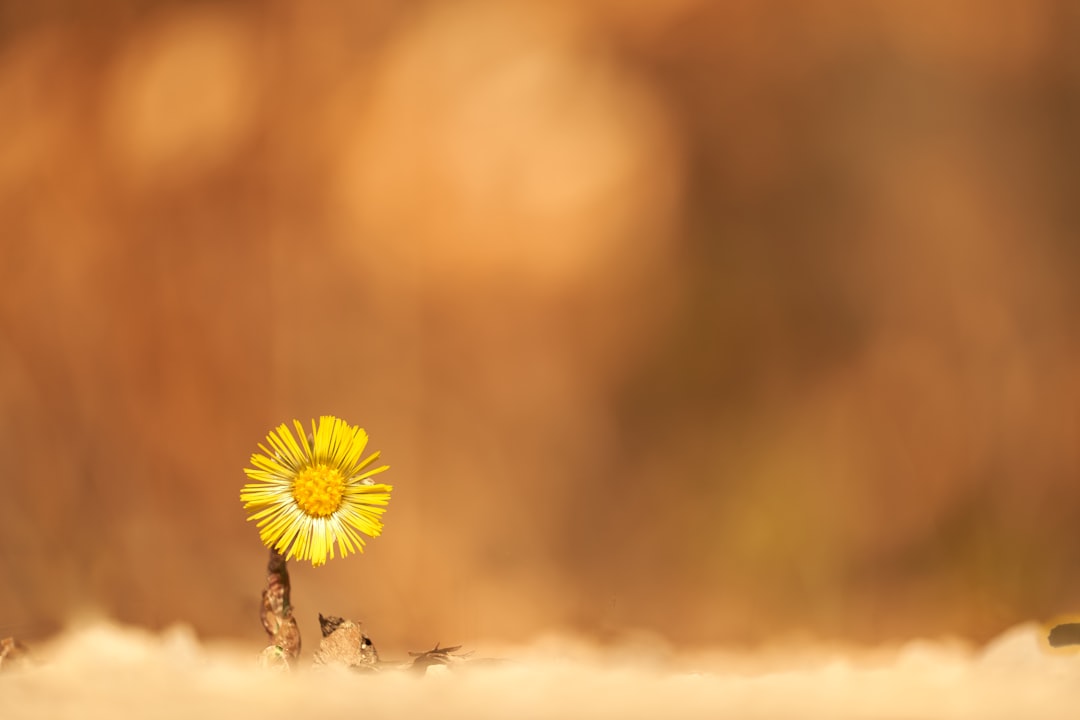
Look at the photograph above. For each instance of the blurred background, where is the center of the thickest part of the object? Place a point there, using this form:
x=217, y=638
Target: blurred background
x=721, y=322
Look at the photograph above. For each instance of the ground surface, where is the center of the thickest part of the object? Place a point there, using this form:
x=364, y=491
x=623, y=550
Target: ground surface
x=109, y=671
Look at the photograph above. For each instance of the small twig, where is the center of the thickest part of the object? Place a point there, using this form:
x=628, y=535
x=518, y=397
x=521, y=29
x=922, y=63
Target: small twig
x=436, y=656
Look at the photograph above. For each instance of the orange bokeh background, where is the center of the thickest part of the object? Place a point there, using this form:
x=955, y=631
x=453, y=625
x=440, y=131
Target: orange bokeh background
x=720, y=321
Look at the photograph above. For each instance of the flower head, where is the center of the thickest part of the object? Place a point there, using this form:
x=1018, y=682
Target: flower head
x=311, y=493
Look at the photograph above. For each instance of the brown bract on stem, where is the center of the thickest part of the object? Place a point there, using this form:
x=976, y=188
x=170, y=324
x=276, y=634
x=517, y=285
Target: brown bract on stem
x=277, y=613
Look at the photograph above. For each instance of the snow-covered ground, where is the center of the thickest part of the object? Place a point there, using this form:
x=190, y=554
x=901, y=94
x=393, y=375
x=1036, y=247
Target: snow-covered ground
x=109, y=671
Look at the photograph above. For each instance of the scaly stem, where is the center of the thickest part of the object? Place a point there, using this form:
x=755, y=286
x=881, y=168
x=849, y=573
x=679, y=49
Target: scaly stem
x=277, y=615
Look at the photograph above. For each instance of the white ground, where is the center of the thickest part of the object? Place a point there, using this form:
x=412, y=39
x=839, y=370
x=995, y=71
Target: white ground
x=109, y=671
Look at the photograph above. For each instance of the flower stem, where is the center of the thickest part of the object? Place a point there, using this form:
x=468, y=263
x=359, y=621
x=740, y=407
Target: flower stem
x=277, y=615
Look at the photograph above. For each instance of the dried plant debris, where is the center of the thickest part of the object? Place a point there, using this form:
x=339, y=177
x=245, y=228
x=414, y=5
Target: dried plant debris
x=329, y=623
x=436, y=656
x=1065, y=634
x=344, y=643
x=13, y=654
x=277, y=614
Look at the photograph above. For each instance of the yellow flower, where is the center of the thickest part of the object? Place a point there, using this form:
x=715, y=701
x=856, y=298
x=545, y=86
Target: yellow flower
x=312, y=493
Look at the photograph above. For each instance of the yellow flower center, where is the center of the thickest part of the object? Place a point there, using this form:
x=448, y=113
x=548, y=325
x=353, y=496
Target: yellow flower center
x=318, y=490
